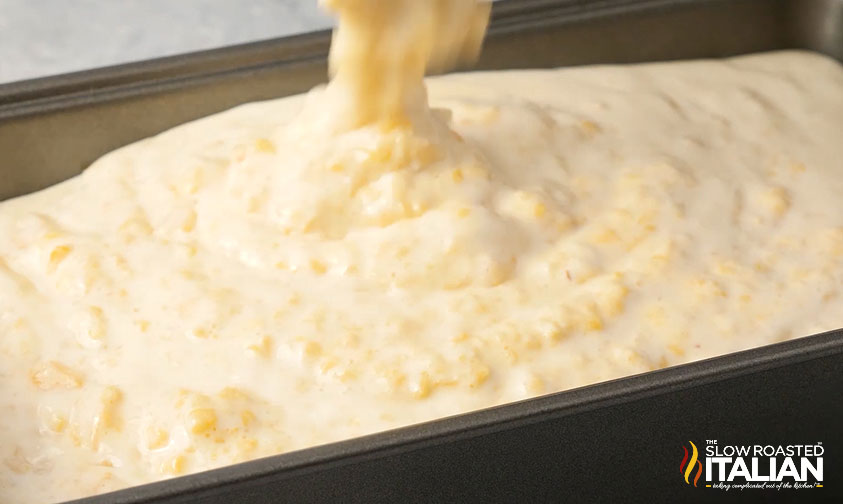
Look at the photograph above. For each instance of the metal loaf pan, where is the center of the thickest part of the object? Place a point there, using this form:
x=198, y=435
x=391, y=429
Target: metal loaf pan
x=619, y=441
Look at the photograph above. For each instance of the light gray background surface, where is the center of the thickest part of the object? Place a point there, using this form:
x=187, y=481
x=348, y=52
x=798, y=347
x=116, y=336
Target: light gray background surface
x=48, y=37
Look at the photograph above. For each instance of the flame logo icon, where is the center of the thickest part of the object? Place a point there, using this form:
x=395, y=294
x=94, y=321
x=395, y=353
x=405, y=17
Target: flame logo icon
x=686, y=467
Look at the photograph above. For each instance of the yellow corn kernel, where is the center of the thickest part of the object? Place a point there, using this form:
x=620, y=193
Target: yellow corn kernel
x=52, y=375
x=57, y=255
x=664, y=253
x=263, y=347
x=201, y=333
x=96, y=323
x=247, y=417
x=593, y=323
x=535, y=384
x=183, y=396
x=479, y=374
x=676, y=349
x=109, y=416
x=656, y=315
x=605, y=236
x=136, y=226
x=587, y=319
x=481, y=307
x=761, y=267
x=347, y=375
x=394, y=122
x=611, y=300
x=463, y=212
x=188, y=274
x=202, y=420
x=634, y=358
x=189, y=223
x=264, y=145
x=233, y=394
x=463, y=336
x=175, y=465
x=57, y=422
x=707, y=288
x=381, y=153
x=775, y=200
x=589, y=128
x=830, y=241
x=143, y=325
x=725, y=268
x=457, y=176
x=351, y=338
x=254, y=204
x=159, y=438
x=192, y=181
x=393, y=377
x=312, y=349
x=328, y=364
x=75, y=437
x=318, y=267
x=337, y=168
x=524, y=205
x=533, y=341
x=422, y=388
x=552, y=331
x=247, y=444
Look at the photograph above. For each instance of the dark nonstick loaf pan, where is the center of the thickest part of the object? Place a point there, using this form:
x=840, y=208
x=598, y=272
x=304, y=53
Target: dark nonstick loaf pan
x=620, y=441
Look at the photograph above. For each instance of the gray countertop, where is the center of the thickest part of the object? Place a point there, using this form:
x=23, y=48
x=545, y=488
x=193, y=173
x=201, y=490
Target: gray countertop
x=48, y=37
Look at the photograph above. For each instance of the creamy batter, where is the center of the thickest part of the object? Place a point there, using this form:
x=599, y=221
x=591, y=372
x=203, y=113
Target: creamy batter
x=276, y=277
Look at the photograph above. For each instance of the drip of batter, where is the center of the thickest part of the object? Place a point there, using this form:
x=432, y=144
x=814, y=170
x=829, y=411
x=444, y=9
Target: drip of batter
x=381, y=50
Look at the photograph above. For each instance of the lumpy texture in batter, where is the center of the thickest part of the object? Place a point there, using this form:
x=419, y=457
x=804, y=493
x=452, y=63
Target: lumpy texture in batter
x=275, y=277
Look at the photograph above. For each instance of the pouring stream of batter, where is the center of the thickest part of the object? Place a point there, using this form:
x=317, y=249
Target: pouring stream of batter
x=381, y=50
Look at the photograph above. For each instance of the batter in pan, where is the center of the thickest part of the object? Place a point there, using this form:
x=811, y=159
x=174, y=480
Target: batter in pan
x=381, y=251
